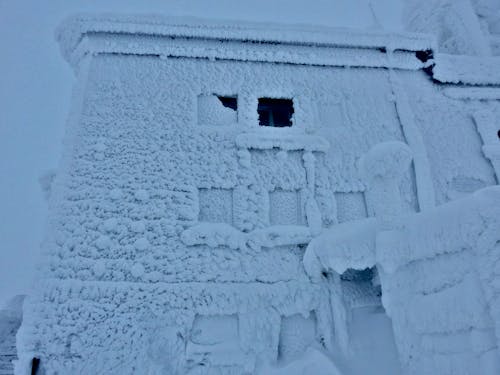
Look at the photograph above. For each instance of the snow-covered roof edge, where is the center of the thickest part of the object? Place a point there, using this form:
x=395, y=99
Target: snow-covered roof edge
x=467, y=70
x=73, y=30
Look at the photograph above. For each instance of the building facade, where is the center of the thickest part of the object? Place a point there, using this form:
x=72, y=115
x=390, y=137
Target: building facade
x=230, y=193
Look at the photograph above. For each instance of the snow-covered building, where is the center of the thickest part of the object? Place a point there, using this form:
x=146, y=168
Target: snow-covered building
x=232, y=195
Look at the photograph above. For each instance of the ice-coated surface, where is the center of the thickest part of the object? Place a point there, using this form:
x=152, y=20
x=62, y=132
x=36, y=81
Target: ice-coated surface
x=75, y=28
x=172, y=214
x=467, y=69
x=454, y=24
x=437, y=276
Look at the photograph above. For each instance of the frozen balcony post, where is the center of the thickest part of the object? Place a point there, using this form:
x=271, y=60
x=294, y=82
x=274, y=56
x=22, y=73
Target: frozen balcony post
x=382, y=168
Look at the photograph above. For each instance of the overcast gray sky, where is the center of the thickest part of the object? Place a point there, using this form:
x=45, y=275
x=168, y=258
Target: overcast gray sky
x=35, y=88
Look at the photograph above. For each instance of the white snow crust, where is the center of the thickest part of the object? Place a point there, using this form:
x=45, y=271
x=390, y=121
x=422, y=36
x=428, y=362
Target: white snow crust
x=178, y=227
x=454, y=24
x=467, y=69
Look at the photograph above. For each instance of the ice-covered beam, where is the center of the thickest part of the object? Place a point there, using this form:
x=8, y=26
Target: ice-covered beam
x=194, y=38
x=468, y=70
x=446, y=229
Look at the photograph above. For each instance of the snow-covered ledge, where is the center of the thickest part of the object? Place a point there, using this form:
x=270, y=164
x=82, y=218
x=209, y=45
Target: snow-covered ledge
x=288, y=142
x=221, y=234
x=468, y=70
x=87, y=34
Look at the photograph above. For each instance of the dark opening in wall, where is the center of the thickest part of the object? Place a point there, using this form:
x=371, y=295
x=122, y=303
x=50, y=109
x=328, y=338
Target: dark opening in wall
x=367, y=281
x=424, y=56
x=229, y=102
x=498, y=134
x=358, y=275
x=275, y=112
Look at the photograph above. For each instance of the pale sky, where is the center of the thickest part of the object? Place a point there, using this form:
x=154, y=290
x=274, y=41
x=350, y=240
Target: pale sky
x=35, y=89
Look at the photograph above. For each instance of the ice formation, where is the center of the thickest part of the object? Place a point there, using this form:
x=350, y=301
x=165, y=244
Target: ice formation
x=187, y=239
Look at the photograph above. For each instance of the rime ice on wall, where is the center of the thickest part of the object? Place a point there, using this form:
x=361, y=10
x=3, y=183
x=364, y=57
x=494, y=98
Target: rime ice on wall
x=453, y=23
x=488, y=12
x=174, y=212
x=436, y=274
x=461, y=27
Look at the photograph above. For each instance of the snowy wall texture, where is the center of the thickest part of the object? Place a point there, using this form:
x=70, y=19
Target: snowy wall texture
x=172, y=214
x=454, y=24
x=461, y=27
x=437, y=270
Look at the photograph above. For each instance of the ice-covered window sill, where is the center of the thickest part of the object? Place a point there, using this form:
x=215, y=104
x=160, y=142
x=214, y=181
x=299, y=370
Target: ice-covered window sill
x=222, y=234
x=277, y=138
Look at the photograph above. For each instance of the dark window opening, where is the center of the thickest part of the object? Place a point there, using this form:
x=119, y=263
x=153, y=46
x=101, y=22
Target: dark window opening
x=366, y=281
x=498, y=134
x=229, y=102
x=424, y=56
x=358, y=275
x=275, y=112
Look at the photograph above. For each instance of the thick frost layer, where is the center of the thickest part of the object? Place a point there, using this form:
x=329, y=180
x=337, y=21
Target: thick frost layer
x=437, y=274
x=172, y=214
x=467, y=70
x=76, y=27
x=453, y=23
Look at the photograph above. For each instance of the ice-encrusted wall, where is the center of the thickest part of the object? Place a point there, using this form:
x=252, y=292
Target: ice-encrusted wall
x=141, y=169
x=153, y=167
x=455, y=25
x=447, y=135
x=437, y=270
x=172, y=214
x=441, y=299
